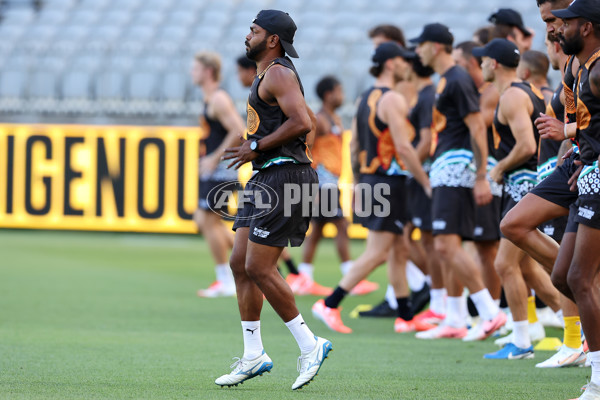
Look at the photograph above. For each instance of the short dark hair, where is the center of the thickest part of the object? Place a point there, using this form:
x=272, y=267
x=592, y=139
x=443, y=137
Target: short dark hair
x=392, y=32
x=376, y=70
x=246, y=63
x=503, y=31
x=484, y=34
x=537, y=62
x=326, y=85
x=467, y=50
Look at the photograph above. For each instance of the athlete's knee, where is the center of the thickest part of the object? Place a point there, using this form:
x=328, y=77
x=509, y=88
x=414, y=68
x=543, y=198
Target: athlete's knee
x=256, y=271
x=444, y=248
x=504, y=269
x=513, y=228
x=579, y=282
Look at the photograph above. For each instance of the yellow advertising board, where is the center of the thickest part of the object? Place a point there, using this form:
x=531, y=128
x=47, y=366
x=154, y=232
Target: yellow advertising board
x=116, y=178
x=107, y=178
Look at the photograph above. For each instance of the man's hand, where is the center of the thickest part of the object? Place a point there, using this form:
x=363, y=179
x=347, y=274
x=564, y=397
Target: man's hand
x=497, y=174
x=240, y=155
x=550, y=128
x=482, y=192
x=573, y=179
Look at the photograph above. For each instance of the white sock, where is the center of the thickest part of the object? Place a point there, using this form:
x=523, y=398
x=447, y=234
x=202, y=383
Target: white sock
x=560, y=316
x=428, y=280
x=305, y=338
x=414, y=276
x=306, y=269
x=224, y=274
x=437, y=304
x=595, y=358
x=497, y=303
x=253, y=346
x=485, y=305
x=345, y=267
x=390, y=297
x=521, y=334
x=454, y=312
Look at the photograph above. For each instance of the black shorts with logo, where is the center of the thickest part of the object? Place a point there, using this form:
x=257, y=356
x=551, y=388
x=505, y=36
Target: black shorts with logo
x=419, y=205
x=588, y=202
x=453, y=211
x=555, y=187
x=380, y=203
x=487, y=221
x=555, y=228
x=278, y=206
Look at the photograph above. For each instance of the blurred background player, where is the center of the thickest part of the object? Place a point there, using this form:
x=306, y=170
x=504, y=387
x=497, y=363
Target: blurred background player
x=508, y=24
x=486, y=236
x=459, y=139
x=383, y=135
x=416, y=267
x=533, y=68
x=222, y=127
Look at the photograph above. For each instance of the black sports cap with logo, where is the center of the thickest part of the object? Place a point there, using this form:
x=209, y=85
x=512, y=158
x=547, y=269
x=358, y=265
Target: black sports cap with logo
x=510, y=17
x=281, y=24
x=586, y=9
x=501, y=50
x=388, y=50
x=437, y=33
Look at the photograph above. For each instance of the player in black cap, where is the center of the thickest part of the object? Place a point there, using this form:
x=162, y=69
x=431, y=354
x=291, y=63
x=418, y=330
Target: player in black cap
x=580, y=36
x=279, y=126
x=382, y=133
x=459, y=138
x=508, y=24
x=515, y=144
x=486, y=236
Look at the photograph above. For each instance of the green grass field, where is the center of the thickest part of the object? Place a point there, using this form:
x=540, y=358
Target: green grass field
x=115, y=316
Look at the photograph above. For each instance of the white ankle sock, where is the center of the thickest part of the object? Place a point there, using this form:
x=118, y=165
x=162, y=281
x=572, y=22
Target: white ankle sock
x=390, y=297
x=521, y=334
x=454, y=307
x=306, y=269
x=305, y=338
x=253, y=346
x=485, y=305
x=224, y=274
x=414, y=276
x=345, y=267
x=437, y=304
x=595, y=358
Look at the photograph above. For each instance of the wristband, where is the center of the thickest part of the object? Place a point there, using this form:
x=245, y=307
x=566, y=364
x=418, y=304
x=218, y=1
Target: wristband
x=480, y=177
x=565, y=132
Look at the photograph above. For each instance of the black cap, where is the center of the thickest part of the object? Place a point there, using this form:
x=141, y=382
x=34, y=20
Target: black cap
x=388, y=50
x=437, y=33
x=588, y=9
x=508, y=16
x=281, y=24
x=501, y=50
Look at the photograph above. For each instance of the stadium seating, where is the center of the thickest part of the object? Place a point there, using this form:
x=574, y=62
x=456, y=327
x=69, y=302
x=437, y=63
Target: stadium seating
x=117, y=58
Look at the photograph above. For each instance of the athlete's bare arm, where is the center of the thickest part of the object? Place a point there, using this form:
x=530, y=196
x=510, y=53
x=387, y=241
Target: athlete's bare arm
x=279, y=86
x=477, y=129
x=224, y=111
x=354, y=147
x=393, y=110
x=489, y=101
x=515, y=110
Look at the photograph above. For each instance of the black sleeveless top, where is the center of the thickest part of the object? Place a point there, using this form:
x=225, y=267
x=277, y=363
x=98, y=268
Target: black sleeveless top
x=264, y=119
x=421, y=114
x=548, y=148
x=588, y=114
x=214, y=132
x=504, y=140
x=377, y=151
